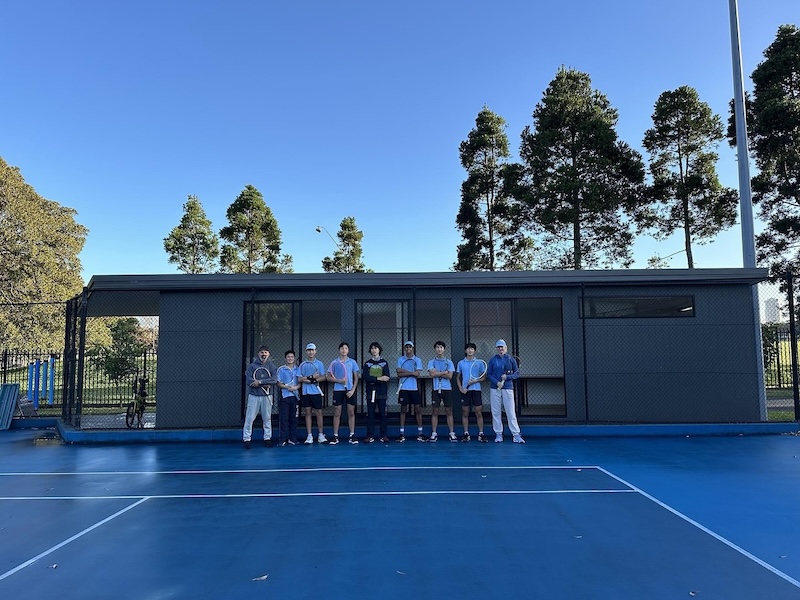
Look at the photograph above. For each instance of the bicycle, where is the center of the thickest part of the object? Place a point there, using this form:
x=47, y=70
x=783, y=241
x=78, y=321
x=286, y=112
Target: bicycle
x=136, y=408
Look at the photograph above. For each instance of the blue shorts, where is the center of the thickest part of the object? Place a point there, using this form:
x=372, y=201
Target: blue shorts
x=410, y=397
x=471, y=398
x=340, y=397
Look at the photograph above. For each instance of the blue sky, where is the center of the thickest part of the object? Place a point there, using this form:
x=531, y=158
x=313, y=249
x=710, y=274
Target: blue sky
x=331, y=109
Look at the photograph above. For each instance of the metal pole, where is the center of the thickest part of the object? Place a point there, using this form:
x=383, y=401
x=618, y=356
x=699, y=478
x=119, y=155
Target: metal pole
x=793, y=346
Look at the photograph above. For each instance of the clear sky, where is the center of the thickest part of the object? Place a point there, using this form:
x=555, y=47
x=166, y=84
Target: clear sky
x=120, y=110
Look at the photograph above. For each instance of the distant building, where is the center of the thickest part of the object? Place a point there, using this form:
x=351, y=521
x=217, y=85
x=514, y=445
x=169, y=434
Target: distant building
x=771, y=312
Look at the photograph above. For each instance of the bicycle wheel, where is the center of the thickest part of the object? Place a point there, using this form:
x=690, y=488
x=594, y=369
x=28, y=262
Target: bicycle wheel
x=130, y=414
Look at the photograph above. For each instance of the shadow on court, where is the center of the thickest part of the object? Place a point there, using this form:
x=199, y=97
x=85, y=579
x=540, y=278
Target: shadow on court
x=594, y=518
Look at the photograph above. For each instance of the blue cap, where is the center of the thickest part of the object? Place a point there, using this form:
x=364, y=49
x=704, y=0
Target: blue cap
x=501, y=343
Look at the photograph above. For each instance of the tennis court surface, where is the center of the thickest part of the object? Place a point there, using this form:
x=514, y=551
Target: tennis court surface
x=594, y=518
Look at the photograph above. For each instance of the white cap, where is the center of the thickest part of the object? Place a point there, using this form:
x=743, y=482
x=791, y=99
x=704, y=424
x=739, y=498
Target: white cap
x=501, y=343
x=409, y=343
x=311, y=347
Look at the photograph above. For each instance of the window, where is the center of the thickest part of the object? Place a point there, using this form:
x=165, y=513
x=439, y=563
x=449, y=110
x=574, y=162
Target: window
x=616, y=307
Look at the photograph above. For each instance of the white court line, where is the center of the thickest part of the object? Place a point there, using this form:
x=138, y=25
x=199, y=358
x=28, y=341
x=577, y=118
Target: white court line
x=67, y=541
x=299, y=470
x=321, y=494
x=706, y=530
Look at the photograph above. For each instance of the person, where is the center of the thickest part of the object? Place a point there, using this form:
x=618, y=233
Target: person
x=259, y=396
x=311, y=395
x=376, y=376
x=501, y=372
x=470, y=393
x=441, y=390
x=344, y=391
x=409, y=391
x=287, y=404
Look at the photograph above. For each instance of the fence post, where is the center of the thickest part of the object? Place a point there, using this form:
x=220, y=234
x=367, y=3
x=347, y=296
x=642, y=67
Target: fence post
x=793, y=345
x=5, y=365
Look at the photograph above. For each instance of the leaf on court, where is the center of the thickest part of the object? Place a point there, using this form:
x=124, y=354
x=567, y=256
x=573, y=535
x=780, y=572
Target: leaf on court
x=782, y=556
x=578, y=537
x=483, y=476
x=53, y=566
x=262, y=578
x=401, y=573
x=579, y=470
x=693, y=593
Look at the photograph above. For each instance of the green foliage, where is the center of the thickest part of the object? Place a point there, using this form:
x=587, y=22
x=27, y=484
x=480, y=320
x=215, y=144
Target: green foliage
x=686, y=192
x=253, y=236
x=578, y=187
x=39, y=246
x=192, y=245
x=119, y=361
x=774, y=132
x=490, y=241
x=347, y=258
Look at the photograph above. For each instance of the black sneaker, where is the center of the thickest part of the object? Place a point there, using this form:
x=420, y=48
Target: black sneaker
x=352, y=439
x=369, y=439
x=247, y=445
x=482, y=438
x=268, y=443
x=401, y=439
x=465, y=437
x=385, y=440
x=421, y=438
x=334, y=441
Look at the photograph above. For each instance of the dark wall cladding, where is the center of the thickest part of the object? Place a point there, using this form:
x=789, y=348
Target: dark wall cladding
x=635, y=358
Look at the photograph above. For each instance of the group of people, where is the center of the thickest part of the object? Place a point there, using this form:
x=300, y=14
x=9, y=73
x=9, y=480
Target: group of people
x=345, y=374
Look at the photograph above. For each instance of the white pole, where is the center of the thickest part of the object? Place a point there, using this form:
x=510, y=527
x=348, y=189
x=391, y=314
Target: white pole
x=745, y=196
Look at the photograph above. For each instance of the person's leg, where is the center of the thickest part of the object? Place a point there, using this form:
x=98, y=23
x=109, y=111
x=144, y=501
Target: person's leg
x=465, y=418
x=337, y=417
x=266, y=416
x=283, y=420
x=383, y=420
x=249, y=416
x=448, y=411
x=496, y=400
x=434, y=417
x=511, y=412
x=351, y=418
x=479, y=416
x=371, y=407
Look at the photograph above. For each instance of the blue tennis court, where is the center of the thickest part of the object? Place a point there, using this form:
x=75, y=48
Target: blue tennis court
x=673, y=517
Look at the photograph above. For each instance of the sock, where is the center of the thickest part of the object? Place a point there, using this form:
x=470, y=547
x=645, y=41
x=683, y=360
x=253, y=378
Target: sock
x=402, y=430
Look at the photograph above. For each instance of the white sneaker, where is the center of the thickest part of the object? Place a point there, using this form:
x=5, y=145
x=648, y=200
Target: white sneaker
x=453, y=437
x=498, y=438
x=309, y=439
x=321, y=439
x=518, y=439
x=434, y=437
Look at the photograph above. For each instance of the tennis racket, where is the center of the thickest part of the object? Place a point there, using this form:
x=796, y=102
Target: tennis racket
x=375, y=371
x=476, y=370
x=440, y=364
x=339, y=371
x=286, y=377
x=261, y=374
x=409, y=365
x=309, y=370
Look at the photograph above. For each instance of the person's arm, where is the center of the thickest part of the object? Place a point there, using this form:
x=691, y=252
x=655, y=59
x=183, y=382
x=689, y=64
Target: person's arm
x=352, y=390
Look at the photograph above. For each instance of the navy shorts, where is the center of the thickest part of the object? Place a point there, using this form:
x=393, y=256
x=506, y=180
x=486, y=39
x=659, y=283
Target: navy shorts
x=311, y=401
x=410, y=397
x=340, y=397
x=471, y=398
x=442, y=397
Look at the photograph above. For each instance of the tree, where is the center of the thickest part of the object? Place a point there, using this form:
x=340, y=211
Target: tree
x=577, y=183
x=120, y=361
x=192, y=245
x=253, y=236
x=39, y=266
x=347, y=258
x=490, y=241
x=774, y=135
x=686, y=191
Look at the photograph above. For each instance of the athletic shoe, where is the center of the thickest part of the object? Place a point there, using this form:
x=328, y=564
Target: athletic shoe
x=434, y=437
x=352, y=439
x=268, y=443
x=401, y=439
x=369, y=439
x=334, y=441
x=292, y=442
x=421, y=438
x=385, y=440
x=518, y=439
x=482, y=438
x=247, y=445
x=281, y=444
x=498, y=438
x=453, y=436
x=321, y=439
x=309, y=439
x=465, y=437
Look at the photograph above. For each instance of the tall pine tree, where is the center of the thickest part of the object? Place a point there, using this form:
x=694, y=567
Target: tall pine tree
x=347, y=258
x=192, y=245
